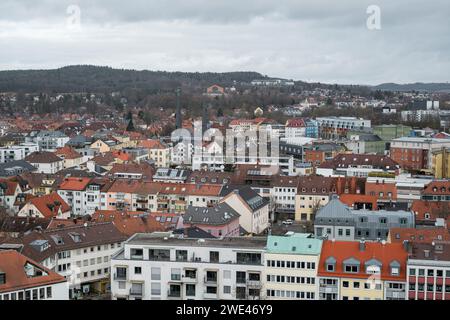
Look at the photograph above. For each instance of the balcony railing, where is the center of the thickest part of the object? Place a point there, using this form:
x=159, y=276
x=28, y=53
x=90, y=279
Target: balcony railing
x=137, y=291
x=210, y=280
x=174, y=294
x=120, y=276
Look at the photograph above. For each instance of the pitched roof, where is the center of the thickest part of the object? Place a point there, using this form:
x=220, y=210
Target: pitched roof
x=67, y=153
x=151, y=144
x=42, y=157
x=437, y=187
x=419, y=235
x=341, y=251
x=218, y=215
x=13, y=264
x=352, y=160
x=75, y=184
x=49, y=205
x=70, y=238
x=247, y=194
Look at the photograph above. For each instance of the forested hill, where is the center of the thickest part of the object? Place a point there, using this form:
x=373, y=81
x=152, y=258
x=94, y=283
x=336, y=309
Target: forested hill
x=428, y=87
x=85, y=78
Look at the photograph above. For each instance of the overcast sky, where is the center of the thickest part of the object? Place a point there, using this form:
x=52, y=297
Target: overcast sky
x=315, y=40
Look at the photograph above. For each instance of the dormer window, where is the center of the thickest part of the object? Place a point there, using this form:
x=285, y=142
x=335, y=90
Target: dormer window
x=351, y=265
x=373, y=266
x=395, y=268
x=2, y=278
x=330, y=264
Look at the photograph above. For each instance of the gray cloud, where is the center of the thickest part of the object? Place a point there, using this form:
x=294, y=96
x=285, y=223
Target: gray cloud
x=307, y=40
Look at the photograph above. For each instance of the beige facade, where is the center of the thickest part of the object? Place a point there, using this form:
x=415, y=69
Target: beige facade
x=306, y=205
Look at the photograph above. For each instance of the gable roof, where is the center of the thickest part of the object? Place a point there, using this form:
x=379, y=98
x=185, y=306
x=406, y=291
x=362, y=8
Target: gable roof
x=42, y=157
x=218, y=215
x=75, y=184
x=12, y=264
x=49, y=205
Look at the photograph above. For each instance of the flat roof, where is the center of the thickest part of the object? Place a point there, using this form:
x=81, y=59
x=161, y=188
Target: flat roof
x=165, y=239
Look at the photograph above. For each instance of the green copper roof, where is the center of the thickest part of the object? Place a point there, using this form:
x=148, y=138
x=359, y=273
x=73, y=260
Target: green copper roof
x=298, y=243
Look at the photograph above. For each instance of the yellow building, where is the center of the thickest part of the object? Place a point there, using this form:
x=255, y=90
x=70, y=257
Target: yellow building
x=441, y=163
x=291, y=267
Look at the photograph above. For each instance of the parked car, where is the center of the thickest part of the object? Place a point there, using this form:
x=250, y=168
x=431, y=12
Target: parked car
x=288, y=222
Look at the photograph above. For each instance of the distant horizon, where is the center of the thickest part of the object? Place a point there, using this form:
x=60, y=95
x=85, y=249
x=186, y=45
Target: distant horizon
x=218, y=72
x=351, y=42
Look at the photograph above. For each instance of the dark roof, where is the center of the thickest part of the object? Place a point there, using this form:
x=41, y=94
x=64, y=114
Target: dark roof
x=220, y=214
x=90, y=235
x=346, y=160
x=42, y=157
x=250, y=196
x=194, y=233
x=22, y=224
x=16, y=167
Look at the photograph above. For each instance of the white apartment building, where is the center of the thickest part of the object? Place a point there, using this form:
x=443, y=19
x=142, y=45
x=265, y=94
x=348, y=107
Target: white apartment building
x=79, y=253
x=17, y=152
x=292, y=262
x=160, y=266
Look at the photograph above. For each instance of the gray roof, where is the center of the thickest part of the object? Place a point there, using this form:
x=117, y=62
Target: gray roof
x=220, y=214
x=250, y=196
x=16, y=167
x=335, y=209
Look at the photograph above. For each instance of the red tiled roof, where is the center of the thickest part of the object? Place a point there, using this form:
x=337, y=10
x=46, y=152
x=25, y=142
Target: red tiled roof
x=67, y=153
x=12, y=264
x=44, y=203
x=343, y=250
x=437, y=187
x=76, y=184
x=398, y=235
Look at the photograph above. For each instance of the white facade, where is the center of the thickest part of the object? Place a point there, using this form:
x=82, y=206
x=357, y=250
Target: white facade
x=158, y=268
x=18, y=152
x=56, y=291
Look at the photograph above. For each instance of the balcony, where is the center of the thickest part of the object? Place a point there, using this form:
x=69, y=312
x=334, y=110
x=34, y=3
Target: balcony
x=120, y=276
x=174, y=294
x=137, y=291
x=328, y=289
x=210, y=280
x=254, y=284
x=210, y=295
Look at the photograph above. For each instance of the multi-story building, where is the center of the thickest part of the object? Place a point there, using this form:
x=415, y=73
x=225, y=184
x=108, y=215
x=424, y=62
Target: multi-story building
x=73, y=191
x=350, y=270
x=358, y=165
x=21, y=278
x=337, y=221
x=17, y=152
x=437, y=190
x=337, y=127
x=292, y=262
x=45, y=162
x=50, y=140
x=165, y=267
x=428, y=274
x=158, y=152
x=81, y=253
x=440, y=163
x=413, y=153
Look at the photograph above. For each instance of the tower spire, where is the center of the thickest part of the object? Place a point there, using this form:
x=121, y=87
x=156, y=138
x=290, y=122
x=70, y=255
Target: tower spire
x=178, y=119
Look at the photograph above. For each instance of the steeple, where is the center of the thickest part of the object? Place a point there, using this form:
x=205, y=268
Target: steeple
x=178, y=119
x=205, y=118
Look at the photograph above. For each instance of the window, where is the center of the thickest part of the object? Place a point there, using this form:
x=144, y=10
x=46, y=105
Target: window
x=356, y=285
x=345, y=284
x=137, y=270
x=156, y=288
x=227, y=289
x=351, y=269
x=156, y=274
x=214, y=256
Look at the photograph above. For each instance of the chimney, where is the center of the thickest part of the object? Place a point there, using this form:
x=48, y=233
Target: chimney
x=406, y=245
x=362, y=245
